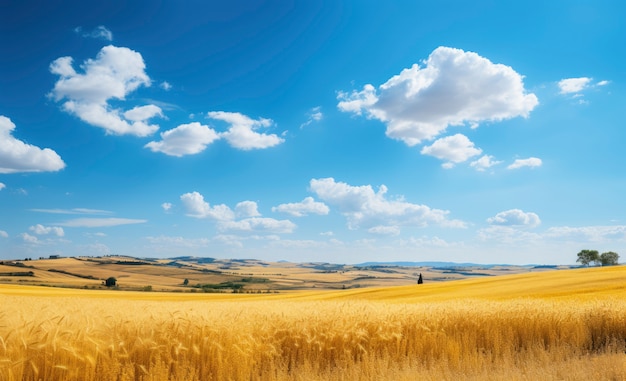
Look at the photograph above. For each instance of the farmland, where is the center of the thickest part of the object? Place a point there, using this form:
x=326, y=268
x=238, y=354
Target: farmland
x=549, y=325
x=221, y=275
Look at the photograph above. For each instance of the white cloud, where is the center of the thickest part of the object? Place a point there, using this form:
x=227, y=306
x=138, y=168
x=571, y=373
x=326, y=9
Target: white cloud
x=299, y=244
x=515, y=217
x=246, y=209
x=486, y=161
x=573, y=85
x=259, y=224
x=589, y=233
x=100, y=32
x=17, y=156
x=186, y=139
x=603, y=83
x=455, y=149
x=453, y=88
x=166, y=86
x=242, y=133
x=314, y=115
x=425, y=241
x=2, y=186
x=385, y=230
x=196, y=207
x=166, y=206
x=238, y=240
x=530, y=162
x=29, y=238
x=43, y=230
x=73, y=211
x=95, y=249
x=303, y=208
x=113, y=74
x=97, y=234
x=143, y=113
x=161, y=241
x=508, y=235
x=364, y=208
x=99, y=222
x=251, y=220
x=4, y=234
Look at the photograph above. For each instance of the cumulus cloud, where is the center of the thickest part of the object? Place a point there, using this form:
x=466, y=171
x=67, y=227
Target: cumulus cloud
x=113, y=74
x=576, y=87
x=100, y=32
x=453, y=87
x=530, y=162
x=186, y=139
x=166, y=86
x=303, y=208
x=573, y=85
x=166, y=206
x=100, y=222
x=17, y=156
x=141, y=113
x=245, y=217
x=196, y=207
x=242, y=131
x=29, y=238
x=247, y=209
x=454, y=149
x=259, y=224
x=515, y=217
x=43, y=230
x=365, y=208
x=485, y=162
x=2, y=186
x=4, y=234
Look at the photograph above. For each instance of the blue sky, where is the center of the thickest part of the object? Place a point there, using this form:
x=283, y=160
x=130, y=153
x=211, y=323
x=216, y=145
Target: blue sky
x=338, y=131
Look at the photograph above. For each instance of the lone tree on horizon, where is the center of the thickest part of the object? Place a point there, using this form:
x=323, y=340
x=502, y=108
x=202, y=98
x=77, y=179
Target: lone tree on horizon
x=420, y=280
x=610, y=258
x=585, y=257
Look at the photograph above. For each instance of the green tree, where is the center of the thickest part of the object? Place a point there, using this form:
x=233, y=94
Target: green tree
x=185, y=282
x=110, y=282
x=609, y=258
x=585, y=257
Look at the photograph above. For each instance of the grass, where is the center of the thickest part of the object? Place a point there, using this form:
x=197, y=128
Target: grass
x=556, y=325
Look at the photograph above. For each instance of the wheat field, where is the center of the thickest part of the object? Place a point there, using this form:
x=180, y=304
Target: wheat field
x=558, y=325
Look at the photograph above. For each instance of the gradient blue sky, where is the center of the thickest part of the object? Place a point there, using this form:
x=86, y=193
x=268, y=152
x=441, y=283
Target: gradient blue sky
x=339, y=131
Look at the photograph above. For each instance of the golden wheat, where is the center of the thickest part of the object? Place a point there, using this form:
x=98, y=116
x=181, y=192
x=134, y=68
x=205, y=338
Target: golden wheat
x=89, y=335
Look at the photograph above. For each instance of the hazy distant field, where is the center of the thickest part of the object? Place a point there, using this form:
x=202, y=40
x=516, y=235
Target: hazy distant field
x=556, y=325
x=251, y=275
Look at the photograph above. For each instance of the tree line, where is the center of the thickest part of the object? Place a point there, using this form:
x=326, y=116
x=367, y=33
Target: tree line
x=609, y=258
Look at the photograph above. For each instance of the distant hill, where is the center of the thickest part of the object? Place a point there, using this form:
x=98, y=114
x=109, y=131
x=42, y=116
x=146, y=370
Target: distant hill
x=428, y=264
